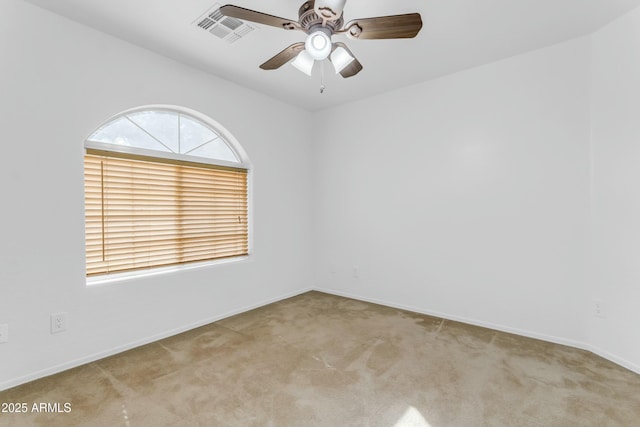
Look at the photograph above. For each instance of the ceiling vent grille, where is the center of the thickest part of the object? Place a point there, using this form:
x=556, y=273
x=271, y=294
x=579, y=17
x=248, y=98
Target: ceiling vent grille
x=224, y=27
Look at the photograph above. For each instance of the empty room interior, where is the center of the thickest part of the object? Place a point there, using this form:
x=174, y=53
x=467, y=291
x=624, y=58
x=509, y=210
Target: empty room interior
x=435, y=221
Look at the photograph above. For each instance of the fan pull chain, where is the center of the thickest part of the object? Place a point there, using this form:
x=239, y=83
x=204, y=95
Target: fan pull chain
x=322, y=86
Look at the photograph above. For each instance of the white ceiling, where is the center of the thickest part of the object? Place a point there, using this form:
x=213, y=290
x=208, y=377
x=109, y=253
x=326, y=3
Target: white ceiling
x=457, y=34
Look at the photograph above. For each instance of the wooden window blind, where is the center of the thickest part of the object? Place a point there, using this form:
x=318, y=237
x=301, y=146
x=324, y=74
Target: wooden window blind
x=143, y=213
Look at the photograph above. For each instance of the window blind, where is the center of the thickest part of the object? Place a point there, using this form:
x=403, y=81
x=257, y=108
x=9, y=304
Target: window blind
x=143, y=213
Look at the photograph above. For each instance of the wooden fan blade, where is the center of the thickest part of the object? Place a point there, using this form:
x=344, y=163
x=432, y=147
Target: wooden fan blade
x=259, y=17
x=354, y=67
x=283, y=57
x=385, y=27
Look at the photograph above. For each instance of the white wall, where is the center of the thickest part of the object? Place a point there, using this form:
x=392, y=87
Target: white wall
x=466, y=197
x=481, y=196
x=616, y=189
x=506, y=195
x=58, y=82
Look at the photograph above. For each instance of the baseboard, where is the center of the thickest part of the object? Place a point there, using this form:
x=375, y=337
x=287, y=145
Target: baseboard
x=633, y=367
x=549, y=338
x=97, y=356
x=101, y=355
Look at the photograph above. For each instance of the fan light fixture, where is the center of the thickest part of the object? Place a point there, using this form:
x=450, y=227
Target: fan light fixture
x=318, y=45
x=304, y=62
x=340, y=58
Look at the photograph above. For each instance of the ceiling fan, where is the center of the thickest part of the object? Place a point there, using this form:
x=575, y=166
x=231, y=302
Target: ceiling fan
x=321, y=19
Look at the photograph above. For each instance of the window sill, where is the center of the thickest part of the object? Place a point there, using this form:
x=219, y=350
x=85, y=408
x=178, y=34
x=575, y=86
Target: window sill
x=113, y=278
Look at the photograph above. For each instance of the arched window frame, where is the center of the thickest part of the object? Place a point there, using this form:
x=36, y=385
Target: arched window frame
x=224, y=134
x=216, y=127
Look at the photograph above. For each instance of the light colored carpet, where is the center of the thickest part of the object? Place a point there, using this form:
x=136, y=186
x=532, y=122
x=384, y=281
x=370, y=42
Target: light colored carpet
x=322, y=360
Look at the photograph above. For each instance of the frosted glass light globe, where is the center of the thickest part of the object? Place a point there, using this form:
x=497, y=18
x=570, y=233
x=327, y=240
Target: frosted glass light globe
x=318, y=45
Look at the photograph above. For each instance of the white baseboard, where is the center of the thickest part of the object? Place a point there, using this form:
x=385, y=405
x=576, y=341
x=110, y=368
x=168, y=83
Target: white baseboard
x=101, y=355
x=549, y=338
x=97, y=356
x=615, y=359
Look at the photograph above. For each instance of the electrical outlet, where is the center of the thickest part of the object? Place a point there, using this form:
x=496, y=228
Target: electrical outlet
x=4, y=333
x=599, y=309
x=58, y=322
x=356, y=271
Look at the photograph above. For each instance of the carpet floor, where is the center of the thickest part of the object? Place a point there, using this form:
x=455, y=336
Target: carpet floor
x=323, y=360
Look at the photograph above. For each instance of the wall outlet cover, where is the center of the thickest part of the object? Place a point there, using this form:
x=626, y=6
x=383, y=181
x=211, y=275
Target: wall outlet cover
x=58, y=322
x=599, y=309
x=4, y=333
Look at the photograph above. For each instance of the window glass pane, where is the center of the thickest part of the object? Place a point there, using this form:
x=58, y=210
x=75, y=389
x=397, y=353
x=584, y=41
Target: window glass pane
x=123, y=132
x=193, y=134
x=166, y=131
x=162, y=125
x=217, y=150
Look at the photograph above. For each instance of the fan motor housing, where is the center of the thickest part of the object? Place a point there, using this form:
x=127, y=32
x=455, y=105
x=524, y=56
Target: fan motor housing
x=309, y=19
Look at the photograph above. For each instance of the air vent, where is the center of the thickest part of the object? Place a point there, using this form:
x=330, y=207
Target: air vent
x=223, y=27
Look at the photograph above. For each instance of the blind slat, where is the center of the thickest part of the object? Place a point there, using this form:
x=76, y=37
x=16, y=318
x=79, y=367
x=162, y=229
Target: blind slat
x=141, y=214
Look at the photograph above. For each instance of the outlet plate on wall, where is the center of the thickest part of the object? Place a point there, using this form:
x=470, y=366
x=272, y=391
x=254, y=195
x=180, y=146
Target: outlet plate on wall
x=4, y=333
x=58, y=322
x=599, y=309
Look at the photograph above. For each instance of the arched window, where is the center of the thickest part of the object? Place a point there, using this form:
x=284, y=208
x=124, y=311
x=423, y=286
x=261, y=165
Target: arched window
x=163, y=187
